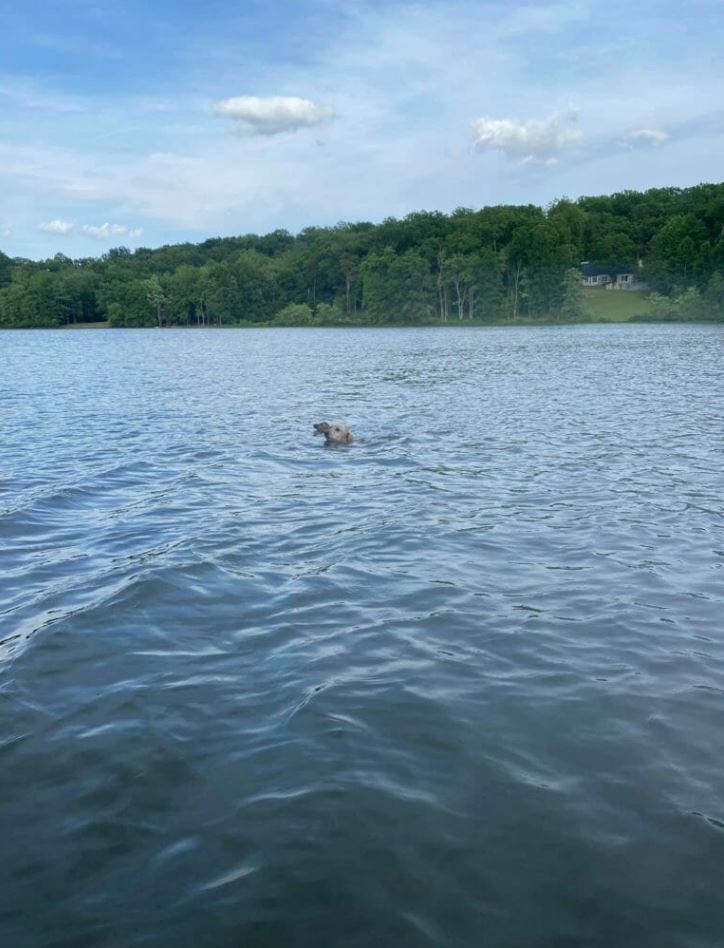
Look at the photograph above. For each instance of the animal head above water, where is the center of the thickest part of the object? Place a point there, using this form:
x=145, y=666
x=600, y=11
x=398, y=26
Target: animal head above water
x=334, y=434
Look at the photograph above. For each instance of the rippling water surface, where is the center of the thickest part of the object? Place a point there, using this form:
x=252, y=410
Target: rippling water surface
x=460, y=683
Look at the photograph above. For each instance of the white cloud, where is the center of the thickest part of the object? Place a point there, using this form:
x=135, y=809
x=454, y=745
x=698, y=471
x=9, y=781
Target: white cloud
x=272, y=114
x=533, y=142
x=647, y=136
x=57, y=226
x=106, y=231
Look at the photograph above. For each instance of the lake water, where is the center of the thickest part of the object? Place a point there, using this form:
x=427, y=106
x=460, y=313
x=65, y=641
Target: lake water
x=460, y=683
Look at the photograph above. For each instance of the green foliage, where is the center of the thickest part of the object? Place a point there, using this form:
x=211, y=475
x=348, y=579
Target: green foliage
x=5, y=270
x=572, y=302
x=48, y=297
x=156, y=297
x=295, y=314
x=714, y=296
x=397, y=287
x=491, y=264
x=678, y=253
x=686, y=304
x=125, y=302
x=329, y=314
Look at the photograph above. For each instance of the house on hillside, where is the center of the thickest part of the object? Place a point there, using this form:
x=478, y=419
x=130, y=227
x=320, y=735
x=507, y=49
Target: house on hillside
x=611, y=278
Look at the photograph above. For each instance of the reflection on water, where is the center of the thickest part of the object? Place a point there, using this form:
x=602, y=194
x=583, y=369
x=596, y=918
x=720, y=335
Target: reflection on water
x=458, y=683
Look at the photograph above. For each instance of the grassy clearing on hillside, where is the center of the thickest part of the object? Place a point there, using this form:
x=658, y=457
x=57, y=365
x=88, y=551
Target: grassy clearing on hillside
x=616, y=306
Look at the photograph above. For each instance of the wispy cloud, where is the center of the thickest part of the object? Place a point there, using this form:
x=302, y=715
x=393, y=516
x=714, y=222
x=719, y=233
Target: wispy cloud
x=107, y=231
x=538, y=141
x=647, y=136
x=57, y=226
x=28, y=94
x=699, y=125
x=273, y=114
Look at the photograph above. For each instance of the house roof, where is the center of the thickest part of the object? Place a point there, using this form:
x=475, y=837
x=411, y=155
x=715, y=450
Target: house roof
x=592, y=270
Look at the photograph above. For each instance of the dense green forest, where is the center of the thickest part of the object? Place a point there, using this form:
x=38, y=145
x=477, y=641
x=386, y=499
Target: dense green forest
x=496, y=264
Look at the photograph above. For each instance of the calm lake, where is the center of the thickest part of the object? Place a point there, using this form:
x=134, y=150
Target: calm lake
x=460, y=683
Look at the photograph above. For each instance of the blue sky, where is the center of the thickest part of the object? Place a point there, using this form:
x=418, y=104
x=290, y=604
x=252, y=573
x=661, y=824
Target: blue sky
x=137, y=124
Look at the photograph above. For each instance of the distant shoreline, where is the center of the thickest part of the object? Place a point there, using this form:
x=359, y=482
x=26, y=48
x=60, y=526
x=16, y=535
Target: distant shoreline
x=601, y=307
x=464, y=324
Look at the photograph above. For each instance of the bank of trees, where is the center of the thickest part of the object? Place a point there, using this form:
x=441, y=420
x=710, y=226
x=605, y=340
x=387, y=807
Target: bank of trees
x=497, y=263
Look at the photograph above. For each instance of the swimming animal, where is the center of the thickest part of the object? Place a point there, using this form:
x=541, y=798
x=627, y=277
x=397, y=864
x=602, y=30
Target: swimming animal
x=334, y=434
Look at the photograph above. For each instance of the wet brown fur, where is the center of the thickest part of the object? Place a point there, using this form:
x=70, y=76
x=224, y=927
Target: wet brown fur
x=334, y=434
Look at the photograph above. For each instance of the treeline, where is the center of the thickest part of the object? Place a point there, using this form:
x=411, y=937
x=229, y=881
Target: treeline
x=498, y=263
